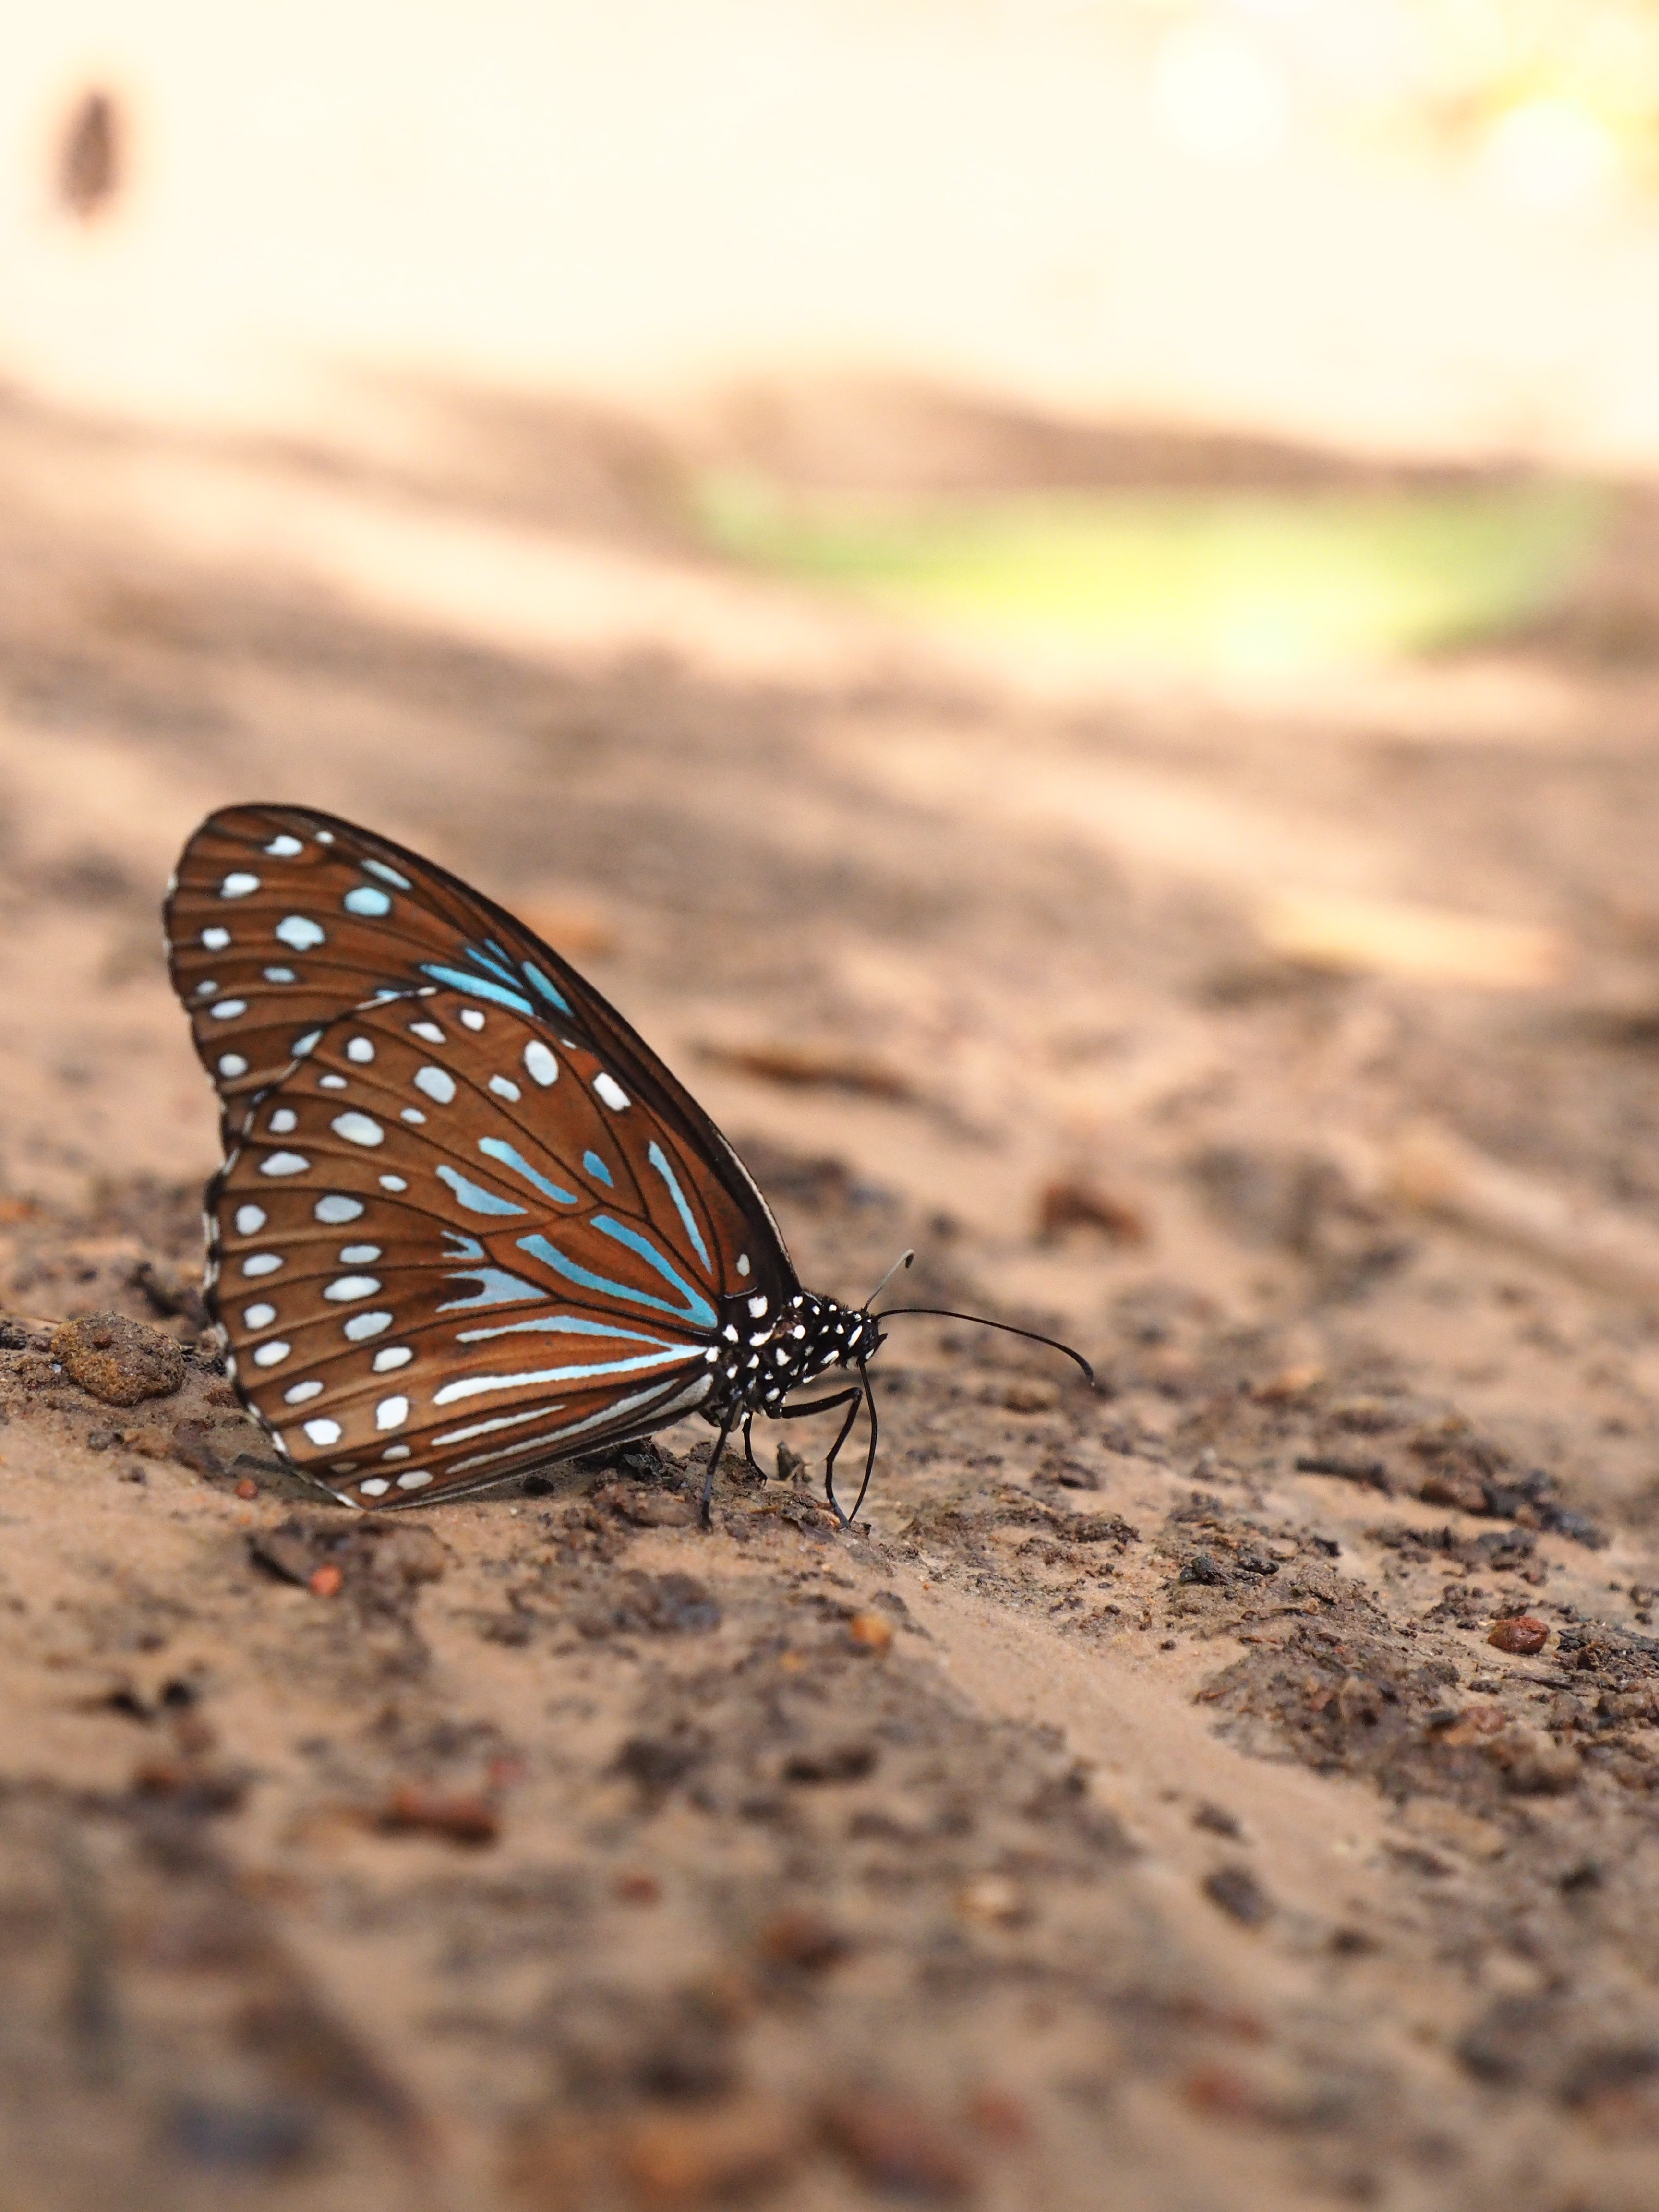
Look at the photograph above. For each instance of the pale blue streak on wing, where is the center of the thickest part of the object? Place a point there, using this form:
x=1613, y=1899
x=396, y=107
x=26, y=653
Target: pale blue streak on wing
x=500, y=1289
x=567, y=1325
x=595, y=1166
x=697, y=1312
x=461, y=1248
x=658, y=1161
x=497, y=1148
x=473, y=1196
x=696, y=1306
x=477, y=987
x=472, y=1386
x=544, y=986
x=493, y=958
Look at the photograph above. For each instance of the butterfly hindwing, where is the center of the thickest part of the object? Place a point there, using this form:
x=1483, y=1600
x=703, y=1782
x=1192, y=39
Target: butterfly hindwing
x=445, y=1247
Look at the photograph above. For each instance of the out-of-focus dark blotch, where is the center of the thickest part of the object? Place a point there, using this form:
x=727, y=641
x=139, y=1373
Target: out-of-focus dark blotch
x=89, y=155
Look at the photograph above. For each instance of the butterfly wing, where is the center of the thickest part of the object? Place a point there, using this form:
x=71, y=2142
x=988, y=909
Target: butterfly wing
x=445, y=1249
x=280, y=919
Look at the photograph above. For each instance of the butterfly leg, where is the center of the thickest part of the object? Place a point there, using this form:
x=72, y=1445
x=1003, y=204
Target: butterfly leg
x=706, y=1504
x=748, y=1445
x=852, y=1400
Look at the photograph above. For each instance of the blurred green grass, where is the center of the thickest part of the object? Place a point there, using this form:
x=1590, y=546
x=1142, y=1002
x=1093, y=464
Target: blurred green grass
x=1242, y=579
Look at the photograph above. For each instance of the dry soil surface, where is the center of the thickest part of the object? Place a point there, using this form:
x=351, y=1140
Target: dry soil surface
x=1136, y=1809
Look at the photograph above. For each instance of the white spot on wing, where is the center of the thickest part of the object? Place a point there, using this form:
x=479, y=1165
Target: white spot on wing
x=273, y=1354
x=259, y=1316
x=262, y=1263
x=544, y=1069
x=360, y=1049
x=503, y=1089
x=392, y=1182
x=215, y=940
x=284, y=847
x=429, y=1032
x=337, y=1207
x=347, y=1287
x=238, y=884
x=359, y=1255
x=368, y=1324
x=375, y=1485
x=437, y=1084
x=323, y=1431
x=366, y=900
x=392, y=1412
x=608, y=1088
x=300, y=1392
x=416, y=1478
x=250, y=1220
x=358, y=1129
x=283, y=1122
x=228, y=1009
x=231, y=1065
x=284, y=1163
x=472, y=1018
x=300, y=932
x=395, y=1355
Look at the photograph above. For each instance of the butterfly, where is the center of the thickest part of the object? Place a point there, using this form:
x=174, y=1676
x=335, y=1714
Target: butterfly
x=468, y=1223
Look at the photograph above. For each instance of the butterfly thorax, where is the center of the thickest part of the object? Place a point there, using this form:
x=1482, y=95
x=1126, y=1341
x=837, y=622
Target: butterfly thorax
x=762, y=1356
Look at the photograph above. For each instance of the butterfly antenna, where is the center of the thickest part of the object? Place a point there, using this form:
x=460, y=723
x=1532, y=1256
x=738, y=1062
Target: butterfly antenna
x=903, y=1260
x=1031, y=1335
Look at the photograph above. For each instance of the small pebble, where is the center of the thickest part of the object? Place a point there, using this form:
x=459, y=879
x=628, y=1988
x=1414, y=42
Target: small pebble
x=120, y=1361
x=872, y=1632
x=1524, y=1635
x=325, y=1582
x=1239, y=1895
x=1294, y=1382
x=993, y=1899
x=247, y=1487
x=460, y=1819
x=637, y=1889
x=695, y=2157
x=891, y=2146
x=1216, y=1819
x=806, y=1940
x=999, y=2116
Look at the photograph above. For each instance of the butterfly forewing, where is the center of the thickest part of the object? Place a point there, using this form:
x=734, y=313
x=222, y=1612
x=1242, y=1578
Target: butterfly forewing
x=280, y=919
x=446, y=1248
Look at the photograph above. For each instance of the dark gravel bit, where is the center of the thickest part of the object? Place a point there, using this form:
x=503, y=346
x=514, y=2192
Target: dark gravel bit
x=1217, y=1820
x=1373, y=1473
x=1202, y=1568
x=259, y=2138
x=1239, y=1895
x=118, y=1360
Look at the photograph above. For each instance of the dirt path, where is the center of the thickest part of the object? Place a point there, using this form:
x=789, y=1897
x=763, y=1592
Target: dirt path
x=1137, y=1810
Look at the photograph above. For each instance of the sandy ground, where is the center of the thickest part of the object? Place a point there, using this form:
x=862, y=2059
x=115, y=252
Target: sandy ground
x=1134, y=1811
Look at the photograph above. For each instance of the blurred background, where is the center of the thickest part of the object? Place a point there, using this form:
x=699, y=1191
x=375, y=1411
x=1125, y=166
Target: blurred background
x=926, y=541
